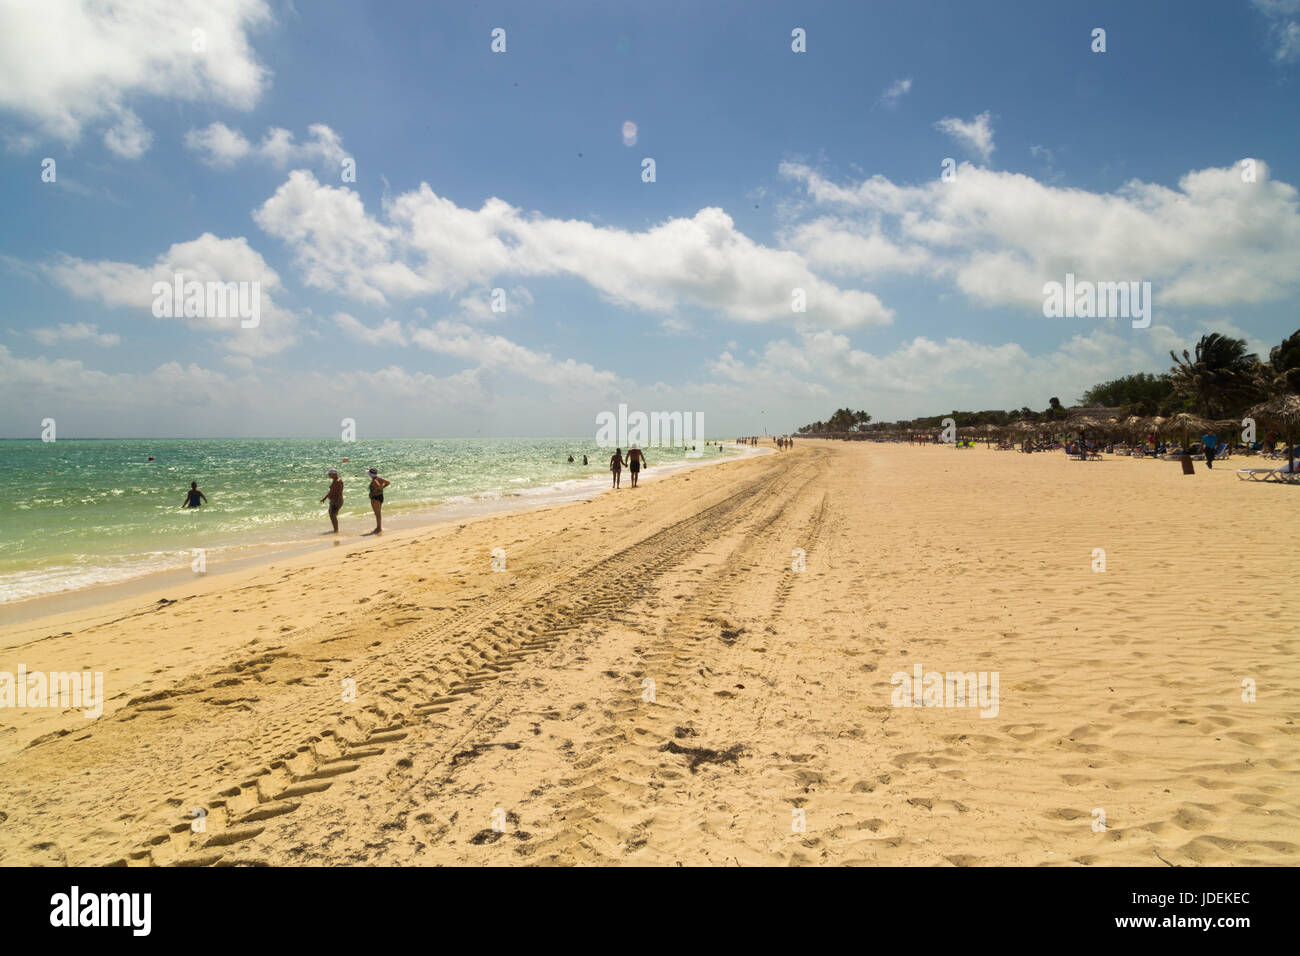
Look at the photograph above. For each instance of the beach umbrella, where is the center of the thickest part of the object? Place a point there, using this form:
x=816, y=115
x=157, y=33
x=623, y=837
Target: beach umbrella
x=1131, y=425
x=1187, y=423
x=1084, y=424
x=1154, y=424
x=1284, y=411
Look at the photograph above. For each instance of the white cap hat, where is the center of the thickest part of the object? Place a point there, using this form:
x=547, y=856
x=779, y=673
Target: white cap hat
x=333, y=471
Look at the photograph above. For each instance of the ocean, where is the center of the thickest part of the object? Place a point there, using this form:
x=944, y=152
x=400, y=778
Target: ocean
x=77, y=513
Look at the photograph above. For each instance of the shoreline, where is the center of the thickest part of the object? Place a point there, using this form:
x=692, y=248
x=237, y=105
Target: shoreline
x=251, y=555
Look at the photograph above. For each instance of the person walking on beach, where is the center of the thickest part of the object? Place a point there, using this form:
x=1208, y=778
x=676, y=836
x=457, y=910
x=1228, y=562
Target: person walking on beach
x=377, y=486
x=584, y=459
x=194, y=498
x=1211, y=443
x=335, y=496
x=616, y=465
x=635, y=460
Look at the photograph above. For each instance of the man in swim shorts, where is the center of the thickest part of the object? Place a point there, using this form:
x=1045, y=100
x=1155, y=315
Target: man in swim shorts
x=335, y=496
x=635, y=459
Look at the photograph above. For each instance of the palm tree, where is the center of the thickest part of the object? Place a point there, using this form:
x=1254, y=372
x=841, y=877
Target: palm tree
x=1282, y=371
x=1221, y=376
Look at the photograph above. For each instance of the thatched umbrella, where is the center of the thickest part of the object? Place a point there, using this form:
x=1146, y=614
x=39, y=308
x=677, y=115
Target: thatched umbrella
x=1186, y=423
x=1285, y=411
x=1153, y=424
x=1084, y=424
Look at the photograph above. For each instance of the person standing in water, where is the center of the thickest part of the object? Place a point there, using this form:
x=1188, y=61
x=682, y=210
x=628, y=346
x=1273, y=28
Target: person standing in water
x=635, y=461
x=616, y=465
x=194, y=498
x=377, y=486
x=335, y=496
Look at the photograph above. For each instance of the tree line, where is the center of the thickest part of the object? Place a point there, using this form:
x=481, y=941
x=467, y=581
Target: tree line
x=1217, y=379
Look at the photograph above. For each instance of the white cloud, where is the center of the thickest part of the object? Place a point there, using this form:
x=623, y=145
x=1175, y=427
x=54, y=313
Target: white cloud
x=846, y=247
x=895, y=92
x=925, y=376
x=976, y=135
x=1212, y=241
x=168, y=399
x=68, y=63
x=205, y=259
x=388, y=332
x=128, y=138
x=221, y=147
x=76, y=332
x=430, y=245
x=496, y=352
x=1284, y=23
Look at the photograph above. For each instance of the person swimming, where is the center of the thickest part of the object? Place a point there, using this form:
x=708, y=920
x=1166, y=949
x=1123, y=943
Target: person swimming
x=194, y=498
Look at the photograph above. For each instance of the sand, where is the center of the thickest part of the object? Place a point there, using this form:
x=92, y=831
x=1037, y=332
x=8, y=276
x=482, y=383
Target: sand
x=650, y=682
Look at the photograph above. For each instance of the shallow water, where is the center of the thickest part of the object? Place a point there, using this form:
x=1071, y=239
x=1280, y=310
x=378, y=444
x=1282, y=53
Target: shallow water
x=75, y=513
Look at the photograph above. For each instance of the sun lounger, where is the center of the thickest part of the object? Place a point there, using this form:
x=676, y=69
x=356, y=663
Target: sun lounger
x=1268, y=474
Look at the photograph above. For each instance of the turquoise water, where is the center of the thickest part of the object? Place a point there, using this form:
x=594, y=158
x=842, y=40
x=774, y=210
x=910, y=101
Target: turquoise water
x=78, y=513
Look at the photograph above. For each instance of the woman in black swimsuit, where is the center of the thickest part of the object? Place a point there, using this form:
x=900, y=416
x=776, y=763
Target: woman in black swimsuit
x=377, y=486
x=616, y=465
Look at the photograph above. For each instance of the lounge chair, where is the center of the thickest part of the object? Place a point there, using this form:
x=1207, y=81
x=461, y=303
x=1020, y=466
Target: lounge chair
x=1269, y=474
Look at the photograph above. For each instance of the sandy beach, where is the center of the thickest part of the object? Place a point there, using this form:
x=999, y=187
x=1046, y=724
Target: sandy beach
x=649, y=681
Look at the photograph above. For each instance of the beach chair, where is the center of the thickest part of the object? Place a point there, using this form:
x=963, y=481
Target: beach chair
x=1269, y=474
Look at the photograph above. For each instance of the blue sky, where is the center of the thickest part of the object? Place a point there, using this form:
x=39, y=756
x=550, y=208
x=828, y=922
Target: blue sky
x=775, y=170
